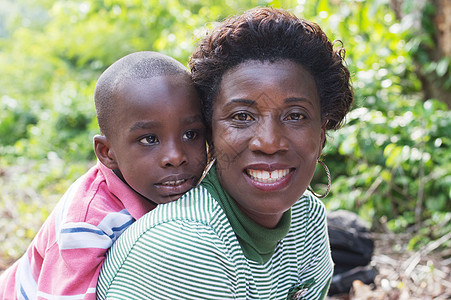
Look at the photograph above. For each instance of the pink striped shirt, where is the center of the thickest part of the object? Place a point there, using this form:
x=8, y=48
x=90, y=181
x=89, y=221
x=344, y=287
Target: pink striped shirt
x=65, y=257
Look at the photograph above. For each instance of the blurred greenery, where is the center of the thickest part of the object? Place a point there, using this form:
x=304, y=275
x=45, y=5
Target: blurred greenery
x=391, y=161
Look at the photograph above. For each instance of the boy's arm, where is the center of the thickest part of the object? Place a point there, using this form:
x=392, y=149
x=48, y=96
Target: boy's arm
x=70, y=266
x=173, y=260
x=70, y=272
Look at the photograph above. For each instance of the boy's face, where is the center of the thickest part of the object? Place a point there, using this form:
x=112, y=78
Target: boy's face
x=158, y=137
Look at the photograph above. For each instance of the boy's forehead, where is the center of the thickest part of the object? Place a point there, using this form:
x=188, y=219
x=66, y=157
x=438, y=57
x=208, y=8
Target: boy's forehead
x=147, y=98
x=142, y=91
x=153, y=81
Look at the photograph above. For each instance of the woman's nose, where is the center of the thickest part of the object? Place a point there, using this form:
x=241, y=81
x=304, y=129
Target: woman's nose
x=268, y=137
x=173, y=155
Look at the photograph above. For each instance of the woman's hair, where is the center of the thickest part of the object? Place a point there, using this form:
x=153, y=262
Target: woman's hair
x=269, y=34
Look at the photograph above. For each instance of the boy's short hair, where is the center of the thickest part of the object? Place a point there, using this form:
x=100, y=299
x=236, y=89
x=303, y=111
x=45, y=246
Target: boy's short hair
x=138, y=65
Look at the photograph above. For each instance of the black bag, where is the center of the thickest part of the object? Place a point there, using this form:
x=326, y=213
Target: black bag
x=352, y=249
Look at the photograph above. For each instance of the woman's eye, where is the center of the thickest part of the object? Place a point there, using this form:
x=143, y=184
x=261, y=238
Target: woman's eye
x=190, y=135
x=149, y=140
x=242, y=117
x=294, y=117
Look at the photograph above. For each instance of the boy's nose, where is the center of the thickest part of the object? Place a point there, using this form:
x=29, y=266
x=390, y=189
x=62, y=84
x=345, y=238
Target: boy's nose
x=173, y=156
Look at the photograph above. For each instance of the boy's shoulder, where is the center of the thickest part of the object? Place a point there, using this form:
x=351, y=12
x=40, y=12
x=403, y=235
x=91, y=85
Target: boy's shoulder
x=100, y=192
x=89, y=198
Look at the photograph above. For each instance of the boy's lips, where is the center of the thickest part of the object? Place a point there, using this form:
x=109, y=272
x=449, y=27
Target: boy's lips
x=175, y=185
x=173, y=182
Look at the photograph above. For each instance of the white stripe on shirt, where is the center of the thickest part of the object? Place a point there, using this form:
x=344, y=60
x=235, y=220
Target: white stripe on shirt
x=25, y=283
x=76, y=235
x=72, y=297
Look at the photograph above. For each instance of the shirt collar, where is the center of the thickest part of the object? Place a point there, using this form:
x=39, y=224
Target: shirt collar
x=257, y=242
x=133, y=202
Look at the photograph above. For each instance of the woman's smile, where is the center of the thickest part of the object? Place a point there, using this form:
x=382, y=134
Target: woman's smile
x=269, y=181
x=267, y=176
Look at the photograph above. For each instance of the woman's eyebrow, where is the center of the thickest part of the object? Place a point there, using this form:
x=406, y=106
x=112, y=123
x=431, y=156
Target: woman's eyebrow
x=298, y=99
x=241, y=101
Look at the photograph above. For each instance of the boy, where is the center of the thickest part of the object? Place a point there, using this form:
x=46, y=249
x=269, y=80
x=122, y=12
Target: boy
x=151, y=151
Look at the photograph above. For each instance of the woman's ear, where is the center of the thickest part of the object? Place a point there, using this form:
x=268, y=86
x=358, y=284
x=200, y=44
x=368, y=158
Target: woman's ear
x=210, y=147
x=104, y=152
x=323, y=137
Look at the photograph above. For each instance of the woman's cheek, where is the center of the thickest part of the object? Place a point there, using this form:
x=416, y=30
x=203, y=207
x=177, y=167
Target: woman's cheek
x=231, y=141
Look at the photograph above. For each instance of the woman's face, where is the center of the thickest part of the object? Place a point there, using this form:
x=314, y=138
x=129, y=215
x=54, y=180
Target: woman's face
x=267, y=136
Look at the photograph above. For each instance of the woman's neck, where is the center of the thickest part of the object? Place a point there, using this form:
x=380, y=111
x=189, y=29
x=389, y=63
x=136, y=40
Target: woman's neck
x=257, y=241
x=269, y=221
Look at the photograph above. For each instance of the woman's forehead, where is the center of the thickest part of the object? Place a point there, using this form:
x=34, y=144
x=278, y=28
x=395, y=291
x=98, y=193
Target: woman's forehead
x=265, y=81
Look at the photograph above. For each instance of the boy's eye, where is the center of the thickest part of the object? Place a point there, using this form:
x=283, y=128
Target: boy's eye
x=294, y=117
x=149, y=140
x=242, y=117
x=190, y=135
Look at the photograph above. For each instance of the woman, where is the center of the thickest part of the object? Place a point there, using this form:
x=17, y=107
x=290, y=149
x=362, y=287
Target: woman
x=271, y=85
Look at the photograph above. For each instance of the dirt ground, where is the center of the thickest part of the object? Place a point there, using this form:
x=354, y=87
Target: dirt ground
x=406, y=275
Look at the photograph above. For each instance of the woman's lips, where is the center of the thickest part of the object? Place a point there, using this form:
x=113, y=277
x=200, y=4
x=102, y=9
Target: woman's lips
x=269, y=180
x=267, y=176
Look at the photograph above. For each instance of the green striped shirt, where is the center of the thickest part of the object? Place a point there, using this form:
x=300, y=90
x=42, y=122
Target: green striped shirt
x=187, y=249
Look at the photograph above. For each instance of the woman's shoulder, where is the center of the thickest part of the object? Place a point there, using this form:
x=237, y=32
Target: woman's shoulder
x=307, y=215
x=196, y=209
x=195, y=223
x=197, y=205
x=309, y=206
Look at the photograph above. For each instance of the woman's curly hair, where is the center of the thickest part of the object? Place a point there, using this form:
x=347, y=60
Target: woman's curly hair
x=269, y=34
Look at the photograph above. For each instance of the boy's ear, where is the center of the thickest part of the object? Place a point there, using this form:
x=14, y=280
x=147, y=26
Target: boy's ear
x=104, y=152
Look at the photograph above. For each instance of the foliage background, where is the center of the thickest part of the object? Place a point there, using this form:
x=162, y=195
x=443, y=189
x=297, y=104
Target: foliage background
x=390, y=163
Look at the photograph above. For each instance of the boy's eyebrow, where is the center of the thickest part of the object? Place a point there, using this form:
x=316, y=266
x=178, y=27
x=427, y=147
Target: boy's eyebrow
x=144, y=125
x=152, y=124
x=192, y=119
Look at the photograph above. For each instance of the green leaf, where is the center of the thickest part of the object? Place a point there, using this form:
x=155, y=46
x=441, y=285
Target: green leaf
x=442, y=67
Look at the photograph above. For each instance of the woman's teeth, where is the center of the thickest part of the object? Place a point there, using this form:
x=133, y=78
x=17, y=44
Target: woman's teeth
x=267, y=177
x=173, y=183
